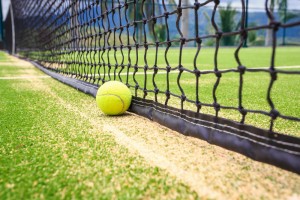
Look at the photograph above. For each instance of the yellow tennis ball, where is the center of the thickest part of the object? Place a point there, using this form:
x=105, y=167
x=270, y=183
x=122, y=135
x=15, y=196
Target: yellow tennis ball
x=113, y=98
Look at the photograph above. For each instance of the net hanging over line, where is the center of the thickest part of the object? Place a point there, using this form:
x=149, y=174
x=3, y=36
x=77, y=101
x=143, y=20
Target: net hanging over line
x=145, y=44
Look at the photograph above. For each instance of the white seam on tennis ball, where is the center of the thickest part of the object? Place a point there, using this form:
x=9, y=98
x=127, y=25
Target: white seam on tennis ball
x=123, y=105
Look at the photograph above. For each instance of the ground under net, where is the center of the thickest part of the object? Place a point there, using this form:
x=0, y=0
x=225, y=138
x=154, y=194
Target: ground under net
x=146, y=45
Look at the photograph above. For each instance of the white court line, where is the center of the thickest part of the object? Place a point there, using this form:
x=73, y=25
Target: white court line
x=22, y=77
x=150, y=72
x=187, y=176
x=280, y=67
x=137, y=73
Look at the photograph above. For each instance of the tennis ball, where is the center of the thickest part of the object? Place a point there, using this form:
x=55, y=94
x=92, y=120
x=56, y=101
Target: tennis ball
x=113, y=98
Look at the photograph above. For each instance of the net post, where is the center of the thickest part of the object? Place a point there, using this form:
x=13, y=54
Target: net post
x=13, y=48
x=1, y=23
x=51, y=53
x=284, y=21
x=246, y=22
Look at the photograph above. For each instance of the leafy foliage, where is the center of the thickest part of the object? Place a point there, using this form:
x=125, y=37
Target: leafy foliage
x=227, y=23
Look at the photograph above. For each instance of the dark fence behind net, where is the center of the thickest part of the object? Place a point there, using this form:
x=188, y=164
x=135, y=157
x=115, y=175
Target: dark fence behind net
x=180, y=73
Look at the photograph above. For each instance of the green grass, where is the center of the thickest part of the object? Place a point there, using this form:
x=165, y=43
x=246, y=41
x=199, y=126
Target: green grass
x=285, y=93
x=47, y=152
x=53, y=145
x=3, y=57
x=249, y=57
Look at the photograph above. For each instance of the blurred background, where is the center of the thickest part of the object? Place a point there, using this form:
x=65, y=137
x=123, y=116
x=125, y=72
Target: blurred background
x=228, y=19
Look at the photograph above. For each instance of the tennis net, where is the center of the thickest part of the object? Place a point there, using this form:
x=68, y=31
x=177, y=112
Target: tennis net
x=148, y=45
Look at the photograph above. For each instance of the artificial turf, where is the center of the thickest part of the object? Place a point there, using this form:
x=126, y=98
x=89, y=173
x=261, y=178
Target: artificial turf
x=284, y=94
x=54, y=144
x=48, y=152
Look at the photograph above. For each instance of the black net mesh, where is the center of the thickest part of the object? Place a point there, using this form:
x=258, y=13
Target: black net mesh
x=145, y=44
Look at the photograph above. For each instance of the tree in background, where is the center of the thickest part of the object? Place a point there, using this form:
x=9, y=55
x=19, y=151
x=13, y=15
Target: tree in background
x=185, y=19
x=143, y=9
x=268, y=40
x=135, y=12
x=283, y=14
x=227, y=23
x=160, y=31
